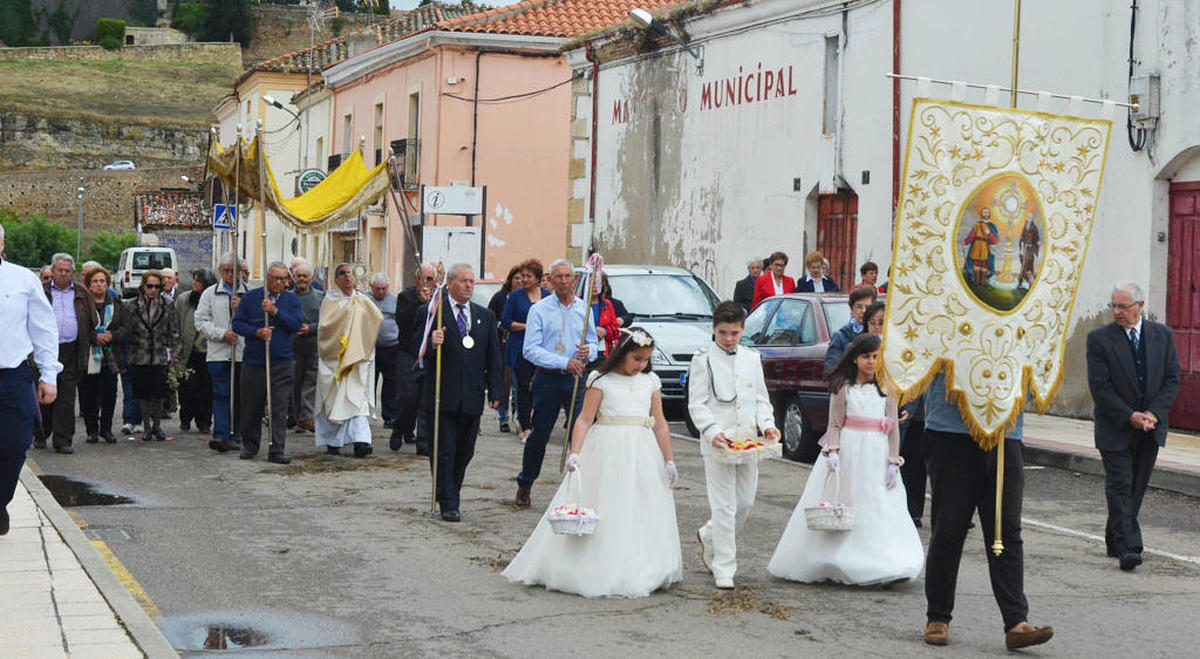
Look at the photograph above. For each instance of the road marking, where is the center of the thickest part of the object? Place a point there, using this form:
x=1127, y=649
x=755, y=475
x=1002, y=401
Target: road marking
x=128, y=580
x=1046, y=526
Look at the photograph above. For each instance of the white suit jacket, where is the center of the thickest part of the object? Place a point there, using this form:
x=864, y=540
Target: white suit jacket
x=727, y=394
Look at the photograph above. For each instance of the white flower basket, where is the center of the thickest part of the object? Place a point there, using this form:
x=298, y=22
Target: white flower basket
x=831, y=515
x=573, y=519
x=766, y=449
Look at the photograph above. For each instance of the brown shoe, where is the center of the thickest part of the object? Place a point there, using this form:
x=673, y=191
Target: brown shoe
x=937, y=633
x=306, y=424
x=1015, y=638
x=523, y=500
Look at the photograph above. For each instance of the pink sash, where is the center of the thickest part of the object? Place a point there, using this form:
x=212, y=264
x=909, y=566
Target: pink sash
x=883, y=425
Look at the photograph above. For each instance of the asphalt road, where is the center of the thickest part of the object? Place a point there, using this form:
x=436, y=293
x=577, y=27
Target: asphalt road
x=337, y=556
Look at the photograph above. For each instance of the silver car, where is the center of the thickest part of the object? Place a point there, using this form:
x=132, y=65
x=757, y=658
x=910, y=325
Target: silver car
x=120, y=165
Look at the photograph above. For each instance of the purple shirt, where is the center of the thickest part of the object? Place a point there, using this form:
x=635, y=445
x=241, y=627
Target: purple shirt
x=64, y=312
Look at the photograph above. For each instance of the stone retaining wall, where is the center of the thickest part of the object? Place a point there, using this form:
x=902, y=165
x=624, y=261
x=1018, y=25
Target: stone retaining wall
x=191, y=53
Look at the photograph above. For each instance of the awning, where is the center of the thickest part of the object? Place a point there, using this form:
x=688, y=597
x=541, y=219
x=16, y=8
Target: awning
x=344, y=193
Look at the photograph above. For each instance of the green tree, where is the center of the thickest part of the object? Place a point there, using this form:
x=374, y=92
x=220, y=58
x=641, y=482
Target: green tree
x=107, y=247
x=143, y=13
x=17, y=27
x=61, y=22
x=191, y=18
x=229, y=18
x=110, y=33
x=33, y=240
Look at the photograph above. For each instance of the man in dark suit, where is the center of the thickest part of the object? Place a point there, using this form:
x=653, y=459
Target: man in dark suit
x=75, y=313
x=471, y=362
x=1133, y=374
x=743, y=292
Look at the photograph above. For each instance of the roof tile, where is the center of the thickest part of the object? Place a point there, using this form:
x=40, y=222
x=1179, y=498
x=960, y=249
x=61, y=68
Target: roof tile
x=552, y=18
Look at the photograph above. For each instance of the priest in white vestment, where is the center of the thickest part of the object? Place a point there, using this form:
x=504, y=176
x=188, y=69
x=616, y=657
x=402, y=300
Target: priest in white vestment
x=345, y=403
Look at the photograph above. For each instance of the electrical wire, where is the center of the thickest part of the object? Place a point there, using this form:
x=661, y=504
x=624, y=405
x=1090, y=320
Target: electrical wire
x=1137, y=137
x=513, y=97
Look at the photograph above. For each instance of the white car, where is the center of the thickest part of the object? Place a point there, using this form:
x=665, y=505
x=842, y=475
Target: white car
x=137, y=260
x=120, y=165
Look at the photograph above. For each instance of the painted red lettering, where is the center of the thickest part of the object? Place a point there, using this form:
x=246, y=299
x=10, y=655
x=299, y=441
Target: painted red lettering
x=706, y=96
x=769, y=84
x=791, y=87
x=616, y=115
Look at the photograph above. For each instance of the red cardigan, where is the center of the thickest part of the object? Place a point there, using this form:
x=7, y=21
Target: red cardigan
x=765, y=287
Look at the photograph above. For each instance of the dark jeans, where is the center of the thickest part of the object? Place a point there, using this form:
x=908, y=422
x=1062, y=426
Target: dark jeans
x=523, y=383
x=219, y=374
x=963, y=478
x=18, y=404
x=913, y=471
x=254, y=404
x=409, y=383
x=1126, y=476
x=385, y=368
x=97, y=400
x=58, y=418
x=196, y=393
x=456, y=447
x=551, y=393
x=131, y=414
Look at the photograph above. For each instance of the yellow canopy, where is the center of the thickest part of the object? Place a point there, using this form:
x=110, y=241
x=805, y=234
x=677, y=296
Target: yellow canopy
x=344, y=193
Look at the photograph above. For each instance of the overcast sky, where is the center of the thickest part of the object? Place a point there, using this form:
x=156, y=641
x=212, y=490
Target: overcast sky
x=409, y=4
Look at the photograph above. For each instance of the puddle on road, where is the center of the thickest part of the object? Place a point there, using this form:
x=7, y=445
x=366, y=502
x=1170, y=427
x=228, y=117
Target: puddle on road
x=218, y=637
x=70, y=492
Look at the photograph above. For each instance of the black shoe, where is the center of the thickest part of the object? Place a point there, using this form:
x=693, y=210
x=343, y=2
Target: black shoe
x=333, y=450
x=362, y=449
x=279, y=459
x=3, y=520
x=246, y=455
x=65, y=450
x=109, y=437
x=218, y=446
x=185, y=426
x=39, y=443
x=1130, y=560
x=410, y=439
x=504, y=427
x=395, y=442
x=422, y=448
x=93, y=439
x=451, y=516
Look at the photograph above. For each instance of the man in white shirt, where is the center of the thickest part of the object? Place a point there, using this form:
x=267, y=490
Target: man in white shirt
x=29, y=328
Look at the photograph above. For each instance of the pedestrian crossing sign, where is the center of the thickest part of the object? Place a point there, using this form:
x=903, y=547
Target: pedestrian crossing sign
x=224, y=216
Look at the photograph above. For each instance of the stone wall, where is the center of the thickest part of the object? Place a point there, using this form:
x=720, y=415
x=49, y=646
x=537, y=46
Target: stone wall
x=229, y=54
x=107, y=201
x=153, y=36
x=30, y=142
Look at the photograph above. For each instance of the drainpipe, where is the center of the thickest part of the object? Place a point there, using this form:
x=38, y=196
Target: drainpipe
x=895, y=110
x=590, y=53
x=475, y=115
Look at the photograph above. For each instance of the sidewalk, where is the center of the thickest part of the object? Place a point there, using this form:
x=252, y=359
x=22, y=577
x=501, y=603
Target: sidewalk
x=60, y=598
x=1067, y=443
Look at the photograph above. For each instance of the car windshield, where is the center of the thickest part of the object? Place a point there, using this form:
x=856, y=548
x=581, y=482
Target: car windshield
x=151, y=260
x=837, y=314
x=663, y=295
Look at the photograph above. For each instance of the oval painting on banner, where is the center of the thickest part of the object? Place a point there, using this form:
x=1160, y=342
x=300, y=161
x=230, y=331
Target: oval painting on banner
x=999, y=241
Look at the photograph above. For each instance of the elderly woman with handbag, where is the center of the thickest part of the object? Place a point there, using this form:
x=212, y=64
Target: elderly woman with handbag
x=152, y=327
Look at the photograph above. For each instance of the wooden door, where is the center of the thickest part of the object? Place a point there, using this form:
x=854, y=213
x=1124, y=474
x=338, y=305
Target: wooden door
x=837, y=236
x=1183, y=300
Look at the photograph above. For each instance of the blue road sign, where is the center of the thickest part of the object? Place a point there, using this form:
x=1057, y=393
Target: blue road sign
x=223, y=216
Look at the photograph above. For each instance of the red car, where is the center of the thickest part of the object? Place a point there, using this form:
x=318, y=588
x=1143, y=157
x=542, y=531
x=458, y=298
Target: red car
x=792, y=332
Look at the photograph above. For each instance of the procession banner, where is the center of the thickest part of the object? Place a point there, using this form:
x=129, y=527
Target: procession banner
x=995, y=213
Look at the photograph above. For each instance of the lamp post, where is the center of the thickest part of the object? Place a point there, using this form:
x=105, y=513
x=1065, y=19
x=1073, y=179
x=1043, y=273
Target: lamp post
x=272, y=101
x=79, y=227
x=647, y=21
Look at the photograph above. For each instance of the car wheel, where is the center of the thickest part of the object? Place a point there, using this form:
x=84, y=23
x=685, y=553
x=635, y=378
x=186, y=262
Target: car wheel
x=799, y=441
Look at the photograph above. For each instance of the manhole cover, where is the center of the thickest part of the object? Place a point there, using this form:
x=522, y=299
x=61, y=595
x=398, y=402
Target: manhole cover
x=218, y=637
x=70, y=492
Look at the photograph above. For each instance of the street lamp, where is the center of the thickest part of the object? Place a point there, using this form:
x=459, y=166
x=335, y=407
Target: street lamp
x=647, y=21
x=79, y=228
x=272, y=101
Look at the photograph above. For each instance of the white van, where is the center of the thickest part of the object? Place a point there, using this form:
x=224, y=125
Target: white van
x=136, y=260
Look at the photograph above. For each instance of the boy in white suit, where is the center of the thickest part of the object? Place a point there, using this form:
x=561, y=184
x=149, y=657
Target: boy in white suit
x=727, y=399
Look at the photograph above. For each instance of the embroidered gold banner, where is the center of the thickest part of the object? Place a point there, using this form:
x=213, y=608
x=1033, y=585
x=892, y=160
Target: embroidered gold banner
x=995, y=212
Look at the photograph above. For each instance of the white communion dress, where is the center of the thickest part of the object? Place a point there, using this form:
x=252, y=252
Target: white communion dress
x=635, y=548
x=883, y=544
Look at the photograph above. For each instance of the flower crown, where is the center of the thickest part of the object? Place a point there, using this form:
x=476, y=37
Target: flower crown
x=642, y=339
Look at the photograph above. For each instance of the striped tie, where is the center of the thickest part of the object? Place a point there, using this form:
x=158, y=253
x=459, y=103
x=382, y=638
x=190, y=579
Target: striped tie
x=462, y=320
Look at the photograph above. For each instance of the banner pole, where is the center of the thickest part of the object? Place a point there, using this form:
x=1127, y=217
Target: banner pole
x=587, y=314
x=437, y=396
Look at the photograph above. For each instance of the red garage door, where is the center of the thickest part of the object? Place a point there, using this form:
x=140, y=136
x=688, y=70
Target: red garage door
x=1183, y=300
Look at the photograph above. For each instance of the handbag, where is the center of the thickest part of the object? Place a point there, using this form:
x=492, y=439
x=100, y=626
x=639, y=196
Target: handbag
x=831, y=515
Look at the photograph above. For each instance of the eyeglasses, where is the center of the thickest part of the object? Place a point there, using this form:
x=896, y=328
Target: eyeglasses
x=1123, y=307
x=429, y=278
x=342, y=273
x=154, y=286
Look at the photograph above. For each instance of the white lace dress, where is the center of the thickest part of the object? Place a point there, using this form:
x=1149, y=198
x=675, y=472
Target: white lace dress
x=883, y=545
x=635, y=549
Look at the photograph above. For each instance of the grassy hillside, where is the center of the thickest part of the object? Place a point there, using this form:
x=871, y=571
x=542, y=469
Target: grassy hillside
x=162, y=93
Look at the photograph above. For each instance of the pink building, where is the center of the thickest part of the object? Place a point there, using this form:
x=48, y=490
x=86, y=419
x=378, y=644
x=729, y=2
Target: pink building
x=483, y=99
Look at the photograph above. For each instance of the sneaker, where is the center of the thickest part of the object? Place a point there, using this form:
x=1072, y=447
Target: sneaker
x=137, y=429
x=706, y=551
x=126, y=429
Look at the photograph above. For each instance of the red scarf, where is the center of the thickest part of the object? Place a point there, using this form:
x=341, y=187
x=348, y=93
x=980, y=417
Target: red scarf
x=608, y=320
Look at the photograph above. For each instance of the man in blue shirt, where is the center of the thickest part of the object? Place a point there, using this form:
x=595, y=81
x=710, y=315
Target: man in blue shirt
x=963, y=477
x=552, y=333
x=286, y=316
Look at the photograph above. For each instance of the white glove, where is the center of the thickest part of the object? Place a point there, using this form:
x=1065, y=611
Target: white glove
x=893, y=476
x=833, y=461
x=573, y=462
x=672, y=474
